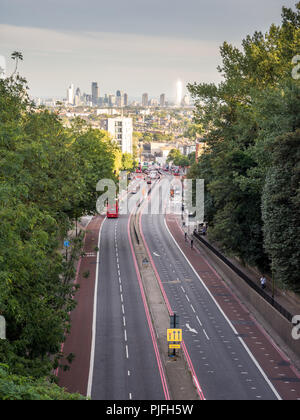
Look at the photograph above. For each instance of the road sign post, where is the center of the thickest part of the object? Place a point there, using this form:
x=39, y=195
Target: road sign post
x=174, y=335
x=174, y=325
x=66, y=245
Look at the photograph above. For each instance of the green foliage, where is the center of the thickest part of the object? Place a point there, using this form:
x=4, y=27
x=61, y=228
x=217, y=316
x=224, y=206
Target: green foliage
x=280, y=209
x=48, y=177
x=178, y=159
x=128, y=162
x=149, y=137
x=94, y=159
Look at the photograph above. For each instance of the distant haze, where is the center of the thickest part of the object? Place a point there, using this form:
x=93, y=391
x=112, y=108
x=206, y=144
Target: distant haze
x=134, y=45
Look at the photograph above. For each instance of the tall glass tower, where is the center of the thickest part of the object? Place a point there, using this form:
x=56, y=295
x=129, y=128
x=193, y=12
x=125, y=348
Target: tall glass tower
x=179, y=92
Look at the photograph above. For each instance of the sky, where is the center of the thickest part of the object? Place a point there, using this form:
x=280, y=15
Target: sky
x=132, y=45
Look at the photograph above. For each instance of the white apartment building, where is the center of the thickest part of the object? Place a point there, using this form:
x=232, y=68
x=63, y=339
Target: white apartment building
x=121, y=130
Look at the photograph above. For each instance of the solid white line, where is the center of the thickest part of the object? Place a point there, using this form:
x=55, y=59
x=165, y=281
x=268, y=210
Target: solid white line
x=199, y=321
x=206, y=334
x=197, y=384
x=92, y=356
x=193, y=309
x=225, y=316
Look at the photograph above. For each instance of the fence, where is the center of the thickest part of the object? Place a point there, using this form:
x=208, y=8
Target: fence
x=247, y=279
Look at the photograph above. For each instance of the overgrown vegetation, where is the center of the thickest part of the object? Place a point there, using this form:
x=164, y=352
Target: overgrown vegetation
x=251, y=167
x=16, y=388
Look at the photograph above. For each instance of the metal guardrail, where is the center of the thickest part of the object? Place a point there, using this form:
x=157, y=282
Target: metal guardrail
x=247, y=279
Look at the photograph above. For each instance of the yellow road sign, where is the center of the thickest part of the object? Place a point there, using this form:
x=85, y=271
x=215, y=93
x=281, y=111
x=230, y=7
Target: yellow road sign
x=174, y=334
x=174, y=346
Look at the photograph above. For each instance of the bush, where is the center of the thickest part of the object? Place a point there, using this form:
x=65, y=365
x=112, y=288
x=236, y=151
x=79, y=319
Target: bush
x=14, y=387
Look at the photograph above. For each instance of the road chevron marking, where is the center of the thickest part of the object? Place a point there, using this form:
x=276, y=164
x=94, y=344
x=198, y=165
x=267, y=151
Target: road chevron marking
x=191, y=329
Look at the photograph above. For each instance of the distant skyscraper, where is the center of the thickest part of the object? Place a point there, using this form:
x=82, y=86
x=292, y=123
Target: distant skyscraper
x=185, y=101
x=77, y=98
x=78, y=92
x=106, y=100
x=111, y=100
x=178, y=92
x=70, y=95
x=145, y=99
x=119, y=98
x=95, y=93
x=162, y=100
x=125, y=99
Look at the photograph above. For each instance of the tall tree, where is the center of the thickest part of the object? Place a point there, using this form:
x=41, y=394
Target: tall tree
x=242, y=116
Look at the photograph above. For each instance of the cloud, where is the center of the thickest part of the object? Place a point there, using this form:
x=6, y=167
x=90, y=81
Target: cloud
x=194, y=19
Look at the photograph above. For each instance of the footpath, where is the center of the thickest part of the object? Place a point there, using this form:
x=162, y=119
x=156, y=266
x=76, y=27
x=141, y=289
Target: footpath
x=279, y=369
x=79, y=339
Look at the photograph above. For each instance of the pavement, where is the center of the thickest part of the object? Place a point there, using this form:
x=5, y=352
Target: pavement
x=79, y=339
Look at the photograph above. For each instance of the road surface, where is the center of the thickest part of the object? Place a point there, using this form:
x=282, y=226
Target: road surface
x=224, y=367
x=124, y=363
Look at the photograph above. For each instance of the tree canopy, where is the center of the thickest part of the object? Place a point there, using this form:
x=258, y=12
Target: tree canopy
x=242, y=118
x=48, y=177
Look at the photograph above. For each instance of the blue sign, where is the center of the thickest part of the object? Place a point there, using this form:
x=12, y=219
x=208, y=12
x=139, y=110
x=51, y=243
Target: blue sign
x=67, y=244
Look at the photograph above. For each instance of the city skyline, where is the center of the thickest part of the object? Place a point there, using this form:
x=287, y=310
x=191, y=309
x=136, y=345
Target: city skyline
x=103, y=92
x=145, y=47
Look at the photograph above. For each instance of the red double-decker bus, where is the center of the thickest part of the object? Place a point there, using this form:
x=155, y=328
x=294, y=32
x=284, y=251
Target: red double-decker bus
x=112, y=212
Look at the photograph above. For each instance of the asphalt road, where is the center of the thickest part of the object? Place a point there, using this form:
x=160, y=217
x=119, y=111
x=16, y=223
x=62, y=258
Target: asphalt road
x=125, y=364
x=224, y=367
